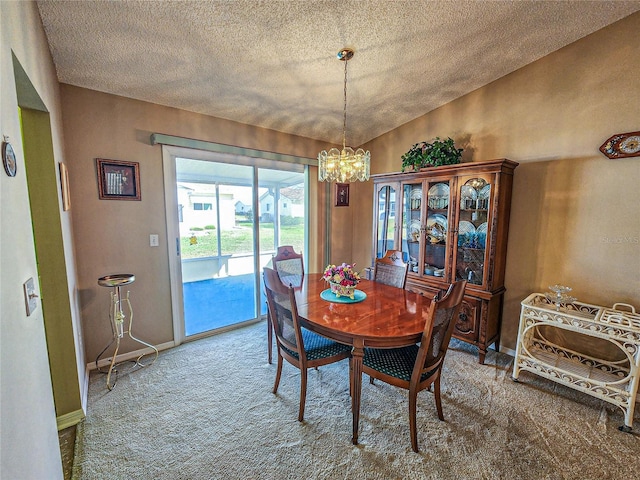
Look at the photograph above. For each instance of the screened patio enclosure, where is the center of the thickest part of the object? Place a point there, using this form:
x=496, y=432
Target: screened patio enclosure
x=231, y=218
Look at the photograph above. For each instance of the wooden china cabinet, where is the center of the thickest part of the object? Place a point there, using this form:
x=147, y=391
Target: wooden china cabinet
x=451, y=223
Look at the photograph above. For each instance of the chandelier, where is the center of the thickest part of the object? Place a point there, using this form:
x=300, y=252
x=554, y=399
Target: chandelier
x=346, y=165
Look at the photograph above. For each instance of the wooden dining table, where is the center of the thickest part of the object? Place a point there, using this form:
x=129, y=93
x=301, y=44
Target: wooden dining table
x=388, y=317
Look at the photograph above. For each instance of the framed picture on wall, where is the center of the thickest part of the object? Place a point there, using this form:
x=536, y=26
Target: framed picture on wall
x=118, y=180
x=342, y=194
x=64, y=187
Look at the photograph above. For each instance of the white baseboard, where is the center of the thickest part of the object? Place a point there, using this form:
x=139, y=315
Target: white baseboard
x=84, y=392
x=508, y=351
x=105, y=362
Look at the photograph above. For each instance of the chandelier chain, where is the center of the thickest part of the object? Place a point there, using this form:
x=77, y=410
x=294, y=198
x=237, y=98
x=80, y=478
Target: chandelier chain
x=344, y=121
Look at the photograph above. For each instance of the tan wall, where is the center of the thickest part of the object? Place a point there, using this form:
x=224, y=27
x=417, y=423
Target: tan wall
x=575, y=216
x=113, y=236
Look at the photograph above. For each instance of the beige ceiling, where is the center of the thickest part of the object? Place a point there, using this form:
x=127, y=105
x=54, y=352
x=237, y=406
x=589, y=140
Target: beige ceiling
x=273, y=63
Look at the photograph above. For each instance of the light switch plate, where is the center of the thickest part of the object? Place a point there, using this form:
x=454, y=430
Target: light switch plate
x=30, y=296
x=154, y=241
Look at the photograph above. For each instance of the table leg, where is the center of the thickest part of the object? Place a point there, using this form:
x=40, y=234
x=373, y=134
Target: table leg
x=356, y=381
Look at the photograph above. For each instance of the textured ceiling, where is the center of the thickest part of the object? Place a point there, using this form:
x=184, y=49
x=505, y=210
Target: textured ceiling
x=273, y=63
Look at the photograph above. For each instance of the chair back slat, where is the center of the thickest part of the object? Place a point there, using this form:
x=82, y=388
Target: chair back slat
x=391, y=269
x=283, y=310
x=443, y=314
x=285, y=328
x=289, y=265
x=442, y=321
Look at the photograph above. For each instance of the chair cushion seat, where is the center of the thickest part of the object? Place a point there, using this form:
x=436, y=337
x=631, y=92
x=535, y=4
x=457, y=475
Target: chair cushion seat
x=395, y=362
x=316, y=346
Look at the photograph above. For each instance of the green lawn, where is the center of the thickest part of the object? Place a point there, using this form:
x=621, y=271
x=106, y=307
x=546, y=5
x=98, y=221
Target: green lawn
x=240, y=240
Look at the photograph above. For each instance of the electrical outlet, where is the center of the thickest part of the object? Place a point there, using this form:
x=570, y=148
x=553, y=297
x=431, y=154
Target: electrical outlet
x=154, y=240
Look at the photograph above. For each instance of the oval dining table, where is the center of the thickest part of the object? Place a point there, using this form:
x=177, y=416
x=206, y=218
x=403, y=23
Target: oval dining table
x=388, y=317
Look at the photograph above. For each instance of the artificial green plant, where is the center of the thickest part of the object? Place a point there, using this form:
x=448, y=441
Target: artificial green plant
x=425, y=154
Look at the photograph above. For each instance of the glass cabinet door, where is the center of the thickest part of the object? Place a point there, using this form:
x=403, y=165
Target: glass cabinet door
x=436, y=229
x=425, y=225
x=386, y=221
x=412, y=224
x=473, y=229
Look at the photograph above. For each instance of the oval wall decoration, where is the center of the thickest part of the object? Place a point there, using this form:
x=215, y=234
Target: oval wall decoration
x=622, y=145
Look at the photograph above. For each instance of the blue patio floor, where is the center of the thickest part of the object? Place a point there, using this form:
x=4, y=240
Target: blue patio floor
x=220, y=302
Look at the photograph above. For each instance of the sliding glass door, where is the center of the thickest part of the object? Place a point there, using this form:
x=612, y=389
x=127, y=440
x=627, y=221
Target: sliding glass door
x=230, y=218
x=216, y=244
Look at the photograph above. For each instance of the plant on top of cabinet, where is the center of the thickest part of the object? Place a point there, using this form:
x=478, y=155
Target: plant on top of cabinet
x=438, y=152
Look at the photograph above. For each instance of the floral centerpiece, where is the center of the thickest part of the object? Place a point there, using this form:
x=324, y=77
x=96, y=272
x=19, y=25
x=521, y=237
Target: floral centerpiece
x=342, y=279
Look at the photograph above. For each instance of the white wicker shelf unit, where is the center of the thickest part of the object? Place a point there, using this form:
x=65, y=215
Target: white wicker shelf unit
x=615, y=382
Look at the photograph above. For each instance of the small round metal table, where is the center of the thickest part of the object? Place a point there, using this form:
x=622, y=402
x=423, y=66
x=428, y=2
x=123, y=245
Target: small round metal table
x=117, y=317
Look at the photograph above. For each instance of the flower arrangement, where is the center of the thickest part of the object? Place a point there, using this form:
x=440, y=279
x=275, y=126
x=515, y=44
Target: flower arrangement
x=342, y=279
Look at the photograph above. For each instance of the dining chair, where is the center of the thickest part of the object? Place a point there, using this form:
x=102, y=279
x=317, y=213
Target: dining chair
x=290, y=268
x=417, y=367
x=391, y=269
x=298, y=346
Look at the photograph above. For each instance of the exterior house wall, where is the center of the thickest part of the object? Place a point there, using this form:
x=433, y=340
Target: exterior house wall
x=241, y=208
x=285, y=206
x=193, y=217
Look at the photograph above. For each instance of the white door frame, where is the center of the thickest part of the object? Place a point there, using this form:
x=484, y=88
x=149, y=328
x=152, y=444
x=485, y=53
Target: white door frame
x=173, y=242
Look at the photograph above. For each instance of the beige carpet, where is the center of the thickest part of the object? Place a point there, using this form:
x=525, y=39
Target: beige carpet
x=205, y=410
